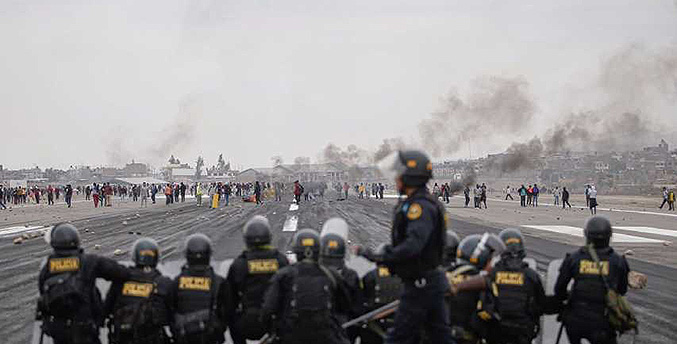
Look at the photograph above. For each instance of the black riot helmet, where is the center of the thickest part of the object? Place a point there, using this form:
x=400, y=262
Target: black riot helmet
x=414, y=167
x=306, y=244
x=257, y=232
x=145, y=252
x=198, y=249
x=598, y=231
x=514, y=242
x=333, y=240
x=64, y=236
x=478, y=249
x=450, y=247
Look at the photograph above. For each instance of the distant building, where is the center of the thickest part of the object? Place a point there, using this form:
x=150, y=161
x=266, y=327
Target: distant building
x=136, y=169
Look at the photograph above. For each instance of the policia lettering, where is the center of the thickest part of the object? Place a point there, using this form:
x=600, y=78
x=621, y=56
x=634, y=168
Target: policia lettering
x=248, y=277
x=70, y=306
x=195, y=283
x=138, y=309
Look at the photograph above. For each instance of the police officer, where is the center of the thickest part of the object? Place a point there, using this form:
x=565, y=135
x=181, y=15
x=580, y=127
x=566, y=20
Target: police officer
x=199, y=297
x=70, y=305
x=304, y=299
x=332, y=255
x=248, y=278
x=450, y=248
x=474, y=255
x=416, y=251
x=139, y=308
x=517, y=293
x=380, y=287
x=585, y=313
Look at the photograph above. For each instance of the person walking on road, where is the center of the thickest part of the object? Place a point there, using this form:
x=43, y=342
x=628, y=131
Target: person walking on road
x=565, y=198
x=69, y=195
x=587, y=195
x=671, y=200
x=593, y=200
x=198, y=194
x=168, y=194
x=257, y=192
x=346, y=187
x=556, y=193
x=508, y=193
x=523, y=196
x=143, y=189
x=536, y=191
x=466, y=193
x=665, y=197
x=2, y=197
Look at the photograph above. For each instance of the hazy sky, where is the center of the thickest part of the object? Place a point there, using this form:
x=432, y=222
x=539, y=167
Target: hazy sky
x=103, y=82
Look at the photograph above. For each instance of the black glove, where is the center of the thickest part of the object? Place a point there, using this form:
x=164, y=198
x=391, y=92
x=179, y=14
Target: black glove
x=368, y=253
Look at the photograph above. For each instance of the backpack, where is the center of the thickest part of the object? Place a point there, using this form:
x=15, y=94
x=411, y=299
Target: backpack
x=312, y=301
x=621, y=316
x=134, y=316
x=62, y=293
x=201, y=321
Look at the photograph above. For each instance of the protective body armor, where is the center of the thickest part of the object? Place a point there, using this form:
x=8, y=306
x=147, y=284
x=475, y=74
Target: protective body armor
x=196, y=316
x=70, y=305
x=310, y=311
x=140, y=308
x=261, y=265
x=463, y=306
x=514, y=298
x=387, y=287
x=432, y=254
x=588, y=292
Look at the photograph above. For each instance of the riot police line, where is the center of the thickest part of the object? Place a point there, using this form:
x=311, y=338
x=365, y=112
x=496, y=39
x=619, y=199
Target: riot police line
x=428, y=286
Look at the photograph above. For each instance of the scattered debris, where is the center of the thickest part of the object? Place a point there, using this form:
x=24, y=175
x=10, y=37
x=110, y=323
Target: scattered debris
x=124, y=223
x=667, y=243
x=629, y=253
x=138, y=215
x=118, y=252
x=18, y=240
x=637, y=280
x=97, y=247
x=558, y=218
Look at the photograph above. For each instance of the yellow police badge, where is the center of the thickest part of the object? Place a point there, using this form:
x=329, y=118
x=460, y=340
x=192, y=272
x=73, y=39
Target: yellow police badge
x=414, y=211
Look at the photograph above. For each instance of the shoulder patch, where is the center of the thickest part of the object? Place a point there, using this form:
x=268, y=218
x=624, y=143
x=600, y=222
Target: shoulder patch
x=415, y=211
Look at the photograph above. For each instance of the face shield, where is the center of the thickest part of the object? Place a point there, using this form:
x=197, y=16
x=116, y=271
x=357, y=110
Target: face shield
x=391, y=166
x=335, y=225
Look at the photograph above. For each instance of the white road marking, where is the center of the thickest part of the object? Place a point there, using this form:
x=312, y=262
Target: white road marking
x=648, y=230
x=543, y=204
x=293, y=207
x=290, y=223
x=578, y=232
x=9, y=231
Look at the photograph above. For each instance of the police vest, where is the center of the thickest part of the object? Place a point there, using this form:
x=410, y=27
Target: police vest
x=63, y=290
x=261, y=266
x=197, y=301
x=588, y=286
x=513, y=295
x=140, y=303
x=431, y=256
x=464, y=304
x=387, y=287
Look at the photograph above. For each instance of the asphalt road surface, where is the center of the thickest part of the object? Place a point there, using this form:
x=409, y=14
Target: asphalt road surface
x=369, y=221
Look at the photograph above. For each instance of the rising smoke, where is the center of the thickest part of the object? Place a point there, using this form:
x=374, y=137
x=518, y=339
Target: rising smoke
x=500, y=105
x=179, y=134
x=637, y=89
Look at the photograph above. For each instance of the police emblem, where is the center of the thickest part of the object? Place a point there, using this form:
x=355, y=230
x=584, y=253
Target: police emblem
x=414, y=211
